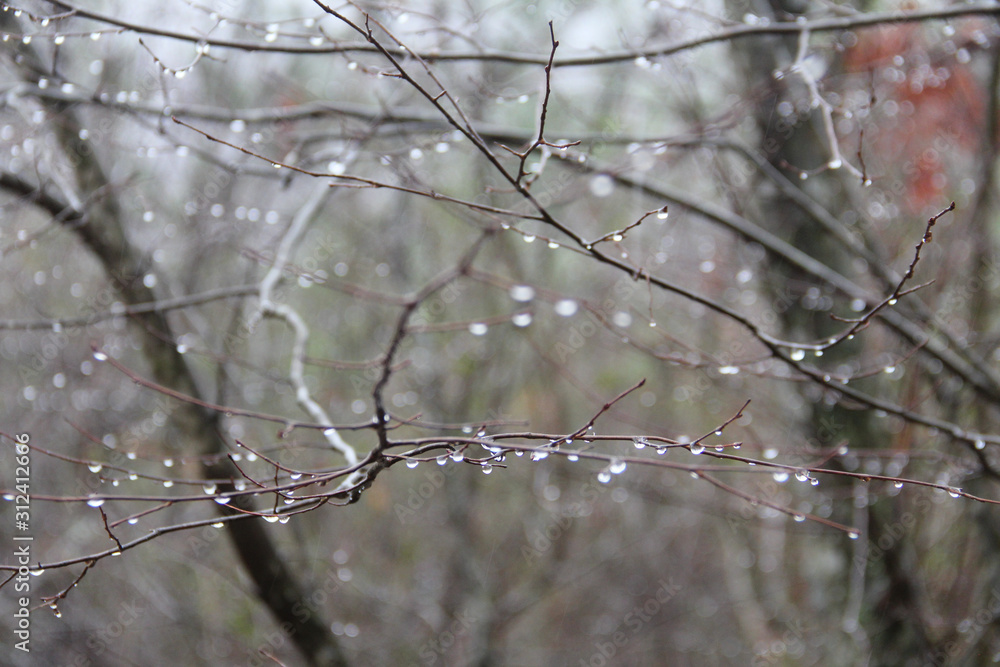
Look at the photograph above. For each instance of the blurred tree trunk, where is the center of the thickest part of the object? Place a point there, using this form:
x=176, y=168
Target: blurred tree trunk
x=99, y=222
x=798, y=141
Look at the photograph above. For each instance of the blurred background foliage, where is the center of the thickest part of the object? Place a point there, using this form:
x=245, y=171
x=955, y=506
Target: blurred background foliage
x=540, y=561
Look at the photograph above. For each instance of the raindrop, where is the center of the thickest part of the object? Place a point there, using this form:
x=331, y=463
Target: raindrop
x=572, y=457
x=95, y=502
x=168, y=463
x=797, y=355
x=478, y=328
x=458, y=456
x=412, y=463
x=889, y=370
x=522, y=293
x=167, y=483
x=209, y=489
x=853, y=534
x=729, y=370
x=487, y=469
x=696, y=449
x=898, y=485
x=835, y=164
x=95, y=467
x=801, y=475
x=980, y=444
x=662, y=213
x=955, y=493
x=222, y=500
x=316, y=41
x=616, y=467
x=604, y=477
x=602, y=185
x=799, y=518
x=566, y=307
x=640, y=443
x=272, y=518
x=529, y=238
x=521, y=319
x=100, y=356
x=780, y=477
x=539, y=456
x=813, y=481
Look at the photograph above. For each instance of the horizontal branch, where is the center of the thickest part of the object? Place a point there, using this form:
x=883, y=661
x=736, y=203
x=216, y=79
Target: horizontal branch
x=729, y=33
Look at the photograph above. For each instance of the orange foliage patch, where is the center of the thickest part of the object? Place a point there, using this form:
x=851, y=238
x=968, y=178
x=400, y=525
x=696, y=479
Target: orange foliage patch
x=940, y=106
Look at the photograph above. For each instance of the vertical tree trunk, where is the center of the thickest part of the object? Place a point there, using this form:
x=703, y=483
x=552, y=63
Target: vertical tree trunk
x=100, y=224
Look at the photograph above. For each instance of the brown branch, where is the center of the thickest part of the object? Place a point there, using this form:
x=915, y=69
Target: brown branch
x=835, y=24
